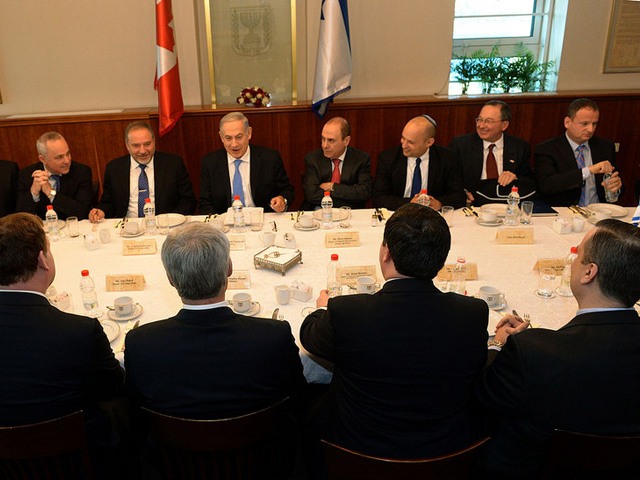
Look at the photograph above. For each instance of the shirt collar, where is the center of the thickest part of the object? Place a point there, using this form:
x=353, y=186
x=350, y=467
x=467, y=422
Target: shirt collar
x=207, y=306
x=245, y=158
x=498, y=143
x=575, y=145
x=135, y=164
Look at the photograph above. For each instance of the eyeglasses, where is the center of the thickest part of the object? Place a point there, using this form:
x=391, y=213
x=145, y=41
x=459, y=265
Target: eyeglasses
x=487, y=121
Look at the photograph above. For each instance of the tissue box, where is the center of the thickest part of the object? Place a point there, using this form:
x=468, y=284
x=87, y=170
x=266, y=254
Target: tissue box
x=561, y=226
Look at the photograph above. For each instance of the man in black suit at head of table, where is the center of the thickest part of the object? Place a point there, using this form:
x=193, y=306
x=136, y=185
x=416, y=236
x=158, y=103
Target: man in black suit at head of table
x=585, y=377
x=55, y=180
x=144, y=173
x=491, y=160
x=256, y=174
x=398, y=181
x=338, y=168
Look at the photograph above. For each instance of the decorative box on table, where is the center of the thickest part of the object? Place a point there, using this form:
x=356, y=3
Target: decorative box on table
x=276, y=258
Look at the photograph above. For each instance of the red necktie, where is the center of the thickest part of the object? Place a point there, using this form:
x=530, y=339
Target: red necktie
x=335, y=176
x=492, y=166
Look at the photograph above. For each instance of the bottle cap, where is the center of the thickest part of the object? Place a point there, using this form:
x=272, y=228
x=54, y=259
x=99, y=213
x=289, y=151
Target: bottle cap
x=236, y=197
x=85, y=273
x=327, y=193
x=147, y=200
x=462, y=260
x=334, y=256
x=514, y=189
x=423, y=191
x=49, y=207
x=574, y=249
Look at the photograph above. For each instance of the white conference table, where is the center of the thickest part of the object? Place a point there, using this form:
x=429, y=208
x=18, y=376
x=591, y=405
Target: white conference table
x=507, y=267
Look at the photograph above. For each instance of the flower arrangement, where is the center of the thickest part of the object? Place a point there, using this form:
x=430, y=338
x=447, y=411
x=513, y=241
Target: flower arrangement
x=254, y=97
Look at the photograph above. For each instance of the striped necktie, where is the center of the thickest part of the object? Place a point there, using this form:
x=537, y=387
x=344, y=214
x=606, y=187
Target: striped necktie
x=143, y=189
x=581, y=163
x=56, y=183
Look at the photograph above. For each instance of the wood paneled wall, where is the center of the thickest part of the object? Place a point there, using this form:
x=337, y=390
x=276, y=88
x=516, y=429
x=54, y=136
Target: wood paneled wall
x=295, y=130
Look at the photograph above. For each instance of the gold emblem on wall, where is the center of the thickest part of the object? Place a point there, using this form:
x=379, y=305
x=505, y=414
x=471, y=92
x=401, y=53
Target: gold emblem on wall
x=251, y=30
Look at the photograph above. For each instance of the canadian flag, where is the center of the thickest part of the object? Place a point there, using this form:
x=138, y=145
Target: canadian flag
x=167, y=81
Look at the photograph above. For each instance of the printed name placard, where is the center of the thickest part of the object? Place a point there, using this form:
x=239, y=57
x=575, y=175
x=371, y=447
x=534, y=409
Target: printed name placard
x=139, y=247
x=472, y=271
x=349, y=275
x=556, y=263
x=125, y=282
x=239, y=280
x=342, y=239
x=515, y=236
x=237, y=242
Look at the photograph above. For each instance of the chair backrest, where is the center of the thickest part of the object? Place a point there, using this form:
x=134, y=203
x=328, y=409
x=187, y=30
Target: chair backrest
x=257, y=445
x=344, y=464
x=584, y=456
x=52, y=449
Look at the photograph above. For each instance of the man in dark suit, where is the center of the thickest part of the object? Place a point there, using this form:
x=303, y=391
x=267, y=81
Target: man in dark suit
x=399, y=182
x=216, y=363
x=55, y=180
x=403, y=367
x=8, y=184
x=256, y=174
x=156, y=175
x=570, y=168
x=584, y=377
x=491, y=161
x=351, y=184
x=54, y=363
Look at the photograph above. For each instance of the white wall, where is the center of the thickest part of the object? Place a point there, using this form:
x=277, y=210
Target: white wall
x=72, y=55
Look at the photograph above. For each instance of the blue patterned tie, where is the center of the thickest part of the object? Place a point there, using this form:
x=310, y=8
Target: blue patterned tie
x=580, y=162
x=237, y=181
x=56, y=183
x=143, y=189
x=416, y=185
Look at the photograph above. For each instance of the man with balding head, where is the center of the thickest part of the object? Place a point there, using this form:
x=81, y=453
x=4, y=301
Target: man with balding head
x=338, y=168
x=418, y=164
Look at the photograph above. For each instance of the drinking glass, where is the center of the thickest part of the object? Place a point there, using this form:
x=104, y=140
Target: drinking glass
x=345, y=217
x=546, y=283
x=526, y=212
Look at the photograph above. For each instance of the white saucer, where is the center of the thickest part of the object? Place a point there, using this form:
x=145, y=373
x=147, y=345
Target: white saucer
x=173, y=219
x=558, y=292
x=498, y=221
x=119, y=318
x=308, y=311
x=255, y=308
x=297, y=226
x=616, y=210
x=542, y=296
x=499, y=208
x=129, y=235
x=111, y=329
x=497, y=308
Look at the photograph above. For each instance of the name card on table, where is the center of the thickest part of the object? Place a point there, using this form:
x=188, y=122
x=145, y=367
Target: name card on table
x=342, y=239
x=515, y=236
x=139, y=247
x=125, y=282
x=556, y=263
x=471, y=268
x=237, y=242
x=349, y=275
x=239, y=280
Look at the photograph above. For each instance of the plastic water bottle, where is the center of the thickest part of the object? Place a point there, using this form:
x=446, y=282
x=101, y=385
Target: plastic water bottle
x=89, y=296
x=51, y=218
x=149, y=216
x=238, y=215
x=610, y=196
x=459, y=277
x=423, y=198
x=333, y=276
x=327, y=210
x=513, y=211
x=564, y=289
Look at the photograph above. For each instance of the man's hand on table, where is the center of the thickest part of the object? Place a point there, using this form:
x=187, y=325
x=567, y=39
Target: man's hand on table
x=278, y=204
x=95, y=215
x=508, y=325
x=323, y=299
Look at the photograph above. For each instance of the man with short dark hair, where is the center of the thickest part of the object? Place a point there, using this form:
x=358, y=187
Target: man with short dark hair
x=338, y=168
x=406, y=358
x=585, y=377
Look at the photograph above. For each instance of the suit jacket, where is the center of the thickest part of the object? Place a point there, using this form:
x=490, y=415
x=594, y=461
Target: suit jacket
x=444, y=182
x=559, y=178
x=73, y=199
x=268, y=180
x=584, y=377
x=214, y=364
x=356, y=184
x=53, y=363
x=172, y=186
x=8, y=186
x=516, y=157
x=399, y=389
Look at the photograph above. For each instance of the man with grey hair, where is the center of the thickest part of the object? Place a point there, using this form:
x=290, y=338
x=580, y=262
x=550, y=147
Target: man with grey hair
x=55, y=180
x=208, y=361
x=256, y=174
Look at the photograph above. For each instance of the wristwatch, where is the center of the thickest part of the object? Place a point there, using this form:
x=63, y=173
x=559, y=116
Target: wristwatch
x=52, y=194
x=495, y=343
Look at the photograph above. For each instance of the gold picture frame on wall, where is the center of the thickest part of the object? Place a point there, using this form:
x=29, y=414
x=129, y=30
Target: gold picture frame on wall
x=623, y=42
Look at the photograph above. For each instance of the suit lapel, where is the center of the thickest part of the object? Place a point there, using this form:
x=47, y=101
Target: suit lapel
x=477, y=160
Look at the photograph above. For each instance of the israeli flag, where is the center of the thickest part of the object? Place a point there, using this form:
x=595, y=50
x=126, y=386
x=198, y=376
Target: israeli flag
x=636, y=217
x=333, y=62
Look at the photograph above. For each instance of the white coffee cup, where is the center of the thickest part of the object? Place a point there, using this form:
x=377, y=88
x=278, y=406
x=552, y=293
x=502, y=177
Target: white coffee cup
x=267, y=238
x=283, y=294
x=491, y=295
x=131, y=227
x=306, y=220
x=577, y=224
x=123, y=306
x=366, y=284
x=241, y=302
x=488, y=215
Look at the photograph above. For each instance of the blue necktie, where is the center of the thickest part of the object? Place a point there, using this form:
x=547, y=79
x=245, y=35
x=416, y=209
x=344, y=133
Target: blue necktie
x=56, y=183
x=143, y=189
x=580, y=162
x=416, y=185
x=237, y=181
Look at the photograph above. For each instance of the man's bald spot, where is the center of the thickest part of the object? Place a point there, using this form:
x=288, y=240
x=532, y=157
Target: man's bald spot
x=428, y=127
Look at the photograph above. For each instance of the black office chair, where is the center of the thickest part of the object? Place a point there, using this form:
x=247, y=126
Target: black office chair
x=345, y=464
x=54, y=449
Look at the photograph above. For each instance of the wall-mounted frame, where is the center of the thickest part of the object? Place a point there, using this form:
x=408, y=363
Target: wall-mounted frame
x=251, y=43
x=623, y=43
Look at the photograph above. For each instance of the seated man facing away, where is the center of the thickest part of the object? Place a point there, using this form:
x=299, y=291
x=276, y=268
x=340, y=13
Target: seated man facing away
x=8, y=184
x=585, y=377
x=405, y=358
